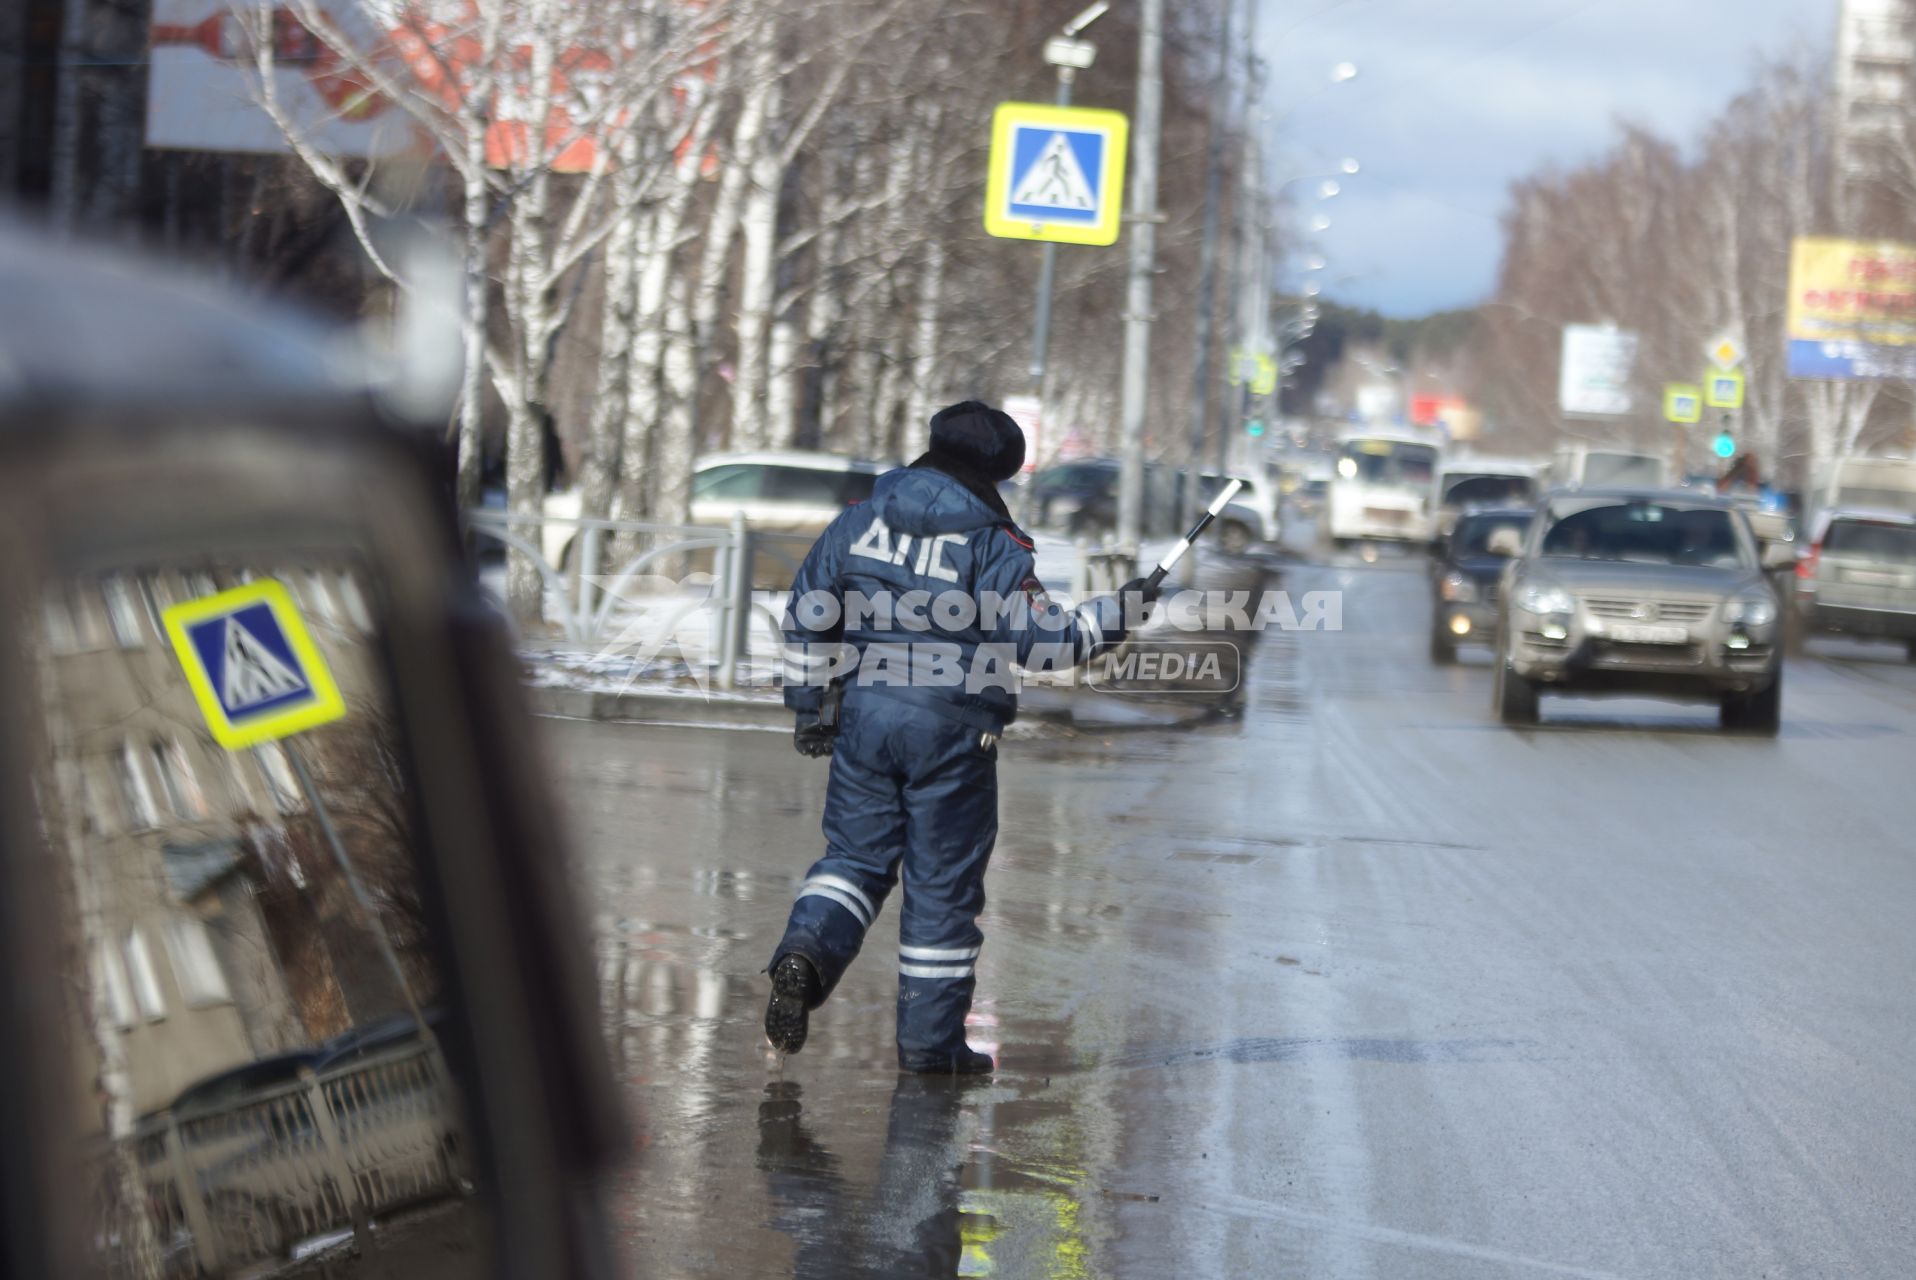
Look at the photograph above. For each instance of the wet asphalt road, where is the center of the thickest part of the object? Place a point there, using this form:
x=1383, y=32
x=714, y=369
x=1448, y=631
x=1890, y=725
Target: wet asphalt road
x=1362, y=985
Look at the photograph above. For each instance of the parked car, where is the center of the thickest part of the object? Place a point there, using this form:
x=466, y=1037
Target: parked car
x=1464, y=579
x=1080, y=499
x=1250, y=517
x=789, y=496
x=784, y=492
x=1859, y=577
x=1632, y=591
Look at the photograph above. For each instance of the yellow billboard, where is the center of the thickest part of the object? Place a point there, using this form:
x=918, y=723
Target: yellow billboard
x=1852, y=308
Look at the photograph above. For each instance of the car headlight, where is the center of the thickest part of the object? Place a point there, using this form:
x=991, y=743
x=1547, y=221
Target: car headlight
x=1536, y=598
x=1457, y=589
x=1750, y=611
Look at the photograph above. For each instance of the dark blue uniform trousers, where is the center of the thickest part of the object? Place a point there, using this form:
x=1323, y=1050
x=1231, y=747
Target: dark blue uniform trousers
x=915, y=791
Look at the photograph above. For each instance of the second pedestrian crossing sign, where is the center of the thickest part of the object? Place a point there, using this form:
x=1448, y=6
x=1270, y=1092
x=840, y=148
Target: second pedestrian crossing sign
x=1057, y=173
x=252, y=666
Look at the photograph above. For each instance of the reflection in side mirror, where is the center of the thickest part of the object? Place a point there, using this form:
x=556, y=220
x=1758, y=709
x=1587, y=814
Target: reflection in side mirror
x=259, y=1006
x=308, y=997
x=1505, y=542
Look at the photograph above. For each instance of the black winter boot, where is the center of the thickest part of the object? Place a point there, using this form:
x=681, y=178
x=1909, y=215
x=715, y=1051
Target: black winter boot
x=962, y=1062
x=795, y=993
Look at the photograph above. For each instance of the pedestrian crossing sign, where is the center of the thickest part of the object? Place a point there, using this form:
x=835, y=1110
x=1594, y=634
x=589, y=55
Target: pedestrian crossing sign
x=252, y=665
x=1724, y=389
x=1057, y=173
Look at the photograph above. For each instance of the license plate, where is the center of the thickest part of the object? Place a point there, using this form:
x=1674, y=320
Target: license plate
x=1644, y=633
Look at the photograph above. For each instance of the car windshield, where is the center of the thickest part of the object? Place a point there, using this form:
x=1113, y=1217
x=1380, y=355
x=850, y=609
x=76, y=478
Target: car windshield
x=1462, y=489
x=733, y=482
x=1871, y=540
x=1474, y=532
x=1645, y=533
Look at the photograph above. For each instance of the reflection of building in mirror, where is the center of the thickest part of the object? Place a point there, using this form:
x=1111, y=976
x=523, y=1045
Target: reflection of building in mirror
x=247, y=1030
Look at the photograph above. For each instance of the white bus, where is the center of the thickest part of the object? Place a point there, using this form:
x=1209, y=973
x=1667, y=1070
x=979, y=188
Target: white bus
x=1381, y=491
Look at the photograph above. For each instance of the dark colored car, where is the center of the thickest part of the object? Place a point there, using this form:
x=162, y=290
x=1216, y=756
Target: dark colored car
x=1464, y=576
x=1080, y=498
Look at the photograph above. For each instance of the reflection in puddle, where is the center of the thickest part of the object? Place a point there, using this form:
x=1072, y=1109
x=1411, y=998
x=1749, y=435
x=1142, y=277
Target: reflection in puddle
x=936, y=1207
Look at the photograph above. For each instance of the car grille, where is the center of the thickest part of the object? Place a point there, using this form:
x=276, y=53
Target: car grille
x=1648, y=610
x=1607, y=652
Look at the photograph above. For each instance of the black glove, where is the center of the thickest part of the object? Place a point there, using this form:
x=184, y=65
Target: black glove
x=812, y=738
x=1142, y=591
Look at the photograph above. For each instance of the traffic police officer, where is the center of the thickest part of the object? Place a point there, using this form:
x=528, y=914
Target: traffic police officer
x=913, y=608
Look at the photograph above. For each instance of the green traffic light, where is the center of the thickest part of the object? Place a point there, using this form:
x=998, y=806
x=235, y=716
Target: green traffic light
x=1254, y=427
x=1725, y=445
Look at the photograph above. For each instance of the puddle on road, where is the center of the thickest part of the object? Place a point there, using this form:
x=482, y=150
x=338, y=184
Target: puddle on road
x=940, y=1198
x=1254, y=1050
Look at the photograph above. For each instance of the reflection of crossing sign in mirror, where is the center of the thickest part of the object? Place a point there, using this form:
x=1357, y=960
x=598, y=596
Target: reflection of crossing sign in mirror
x=1057, y=173
x=252, y=666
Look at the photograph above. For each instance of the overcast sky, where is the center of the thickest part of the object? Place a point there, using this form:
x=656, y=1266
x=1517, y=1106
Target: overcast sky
x=1454, y=98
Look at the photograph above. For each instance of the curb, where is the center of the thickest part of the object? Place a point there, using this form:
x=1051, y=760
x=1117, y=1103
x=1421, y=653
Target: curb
x=1072, y=710
x=1050, y=707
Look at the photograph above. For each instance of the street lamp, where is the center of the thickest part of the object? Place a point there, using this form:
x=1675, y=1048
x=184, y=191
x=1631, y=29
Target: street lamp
x=1069, y=55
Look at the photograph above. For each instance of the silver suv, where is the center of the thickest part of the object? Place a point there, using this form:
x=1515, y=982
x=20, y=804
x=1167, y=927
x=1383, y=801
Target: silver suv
x=1633, y=592
x=1859, y=576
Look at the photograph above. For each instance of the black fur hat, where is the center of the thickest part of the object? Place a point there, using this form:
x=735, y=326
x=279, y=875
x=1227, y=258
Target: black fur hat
x=975, y=435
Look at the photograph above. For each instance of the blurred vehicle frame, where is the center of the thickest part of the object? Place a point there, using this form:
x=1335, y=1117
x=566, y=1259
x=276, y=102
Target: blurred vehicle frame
x=141, y=416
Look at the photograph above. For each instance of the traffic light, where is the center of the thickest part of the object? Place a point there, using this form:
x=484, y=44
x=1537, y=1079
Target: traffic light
x=1254, y=428
x=1725, y=445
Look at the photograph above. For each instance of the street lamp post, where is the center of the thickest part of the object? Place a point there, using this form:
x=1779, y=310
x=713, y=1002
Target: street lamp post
x=1069, y=55
x=1137, y=317
x=1207, y=270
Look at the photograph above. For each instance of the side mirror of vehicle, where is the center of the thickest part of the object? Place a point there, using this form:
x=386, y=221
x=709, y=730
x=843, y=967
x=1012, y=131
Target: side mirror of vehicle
x=1779, y=555
x=276, y=857
x=1506, y=542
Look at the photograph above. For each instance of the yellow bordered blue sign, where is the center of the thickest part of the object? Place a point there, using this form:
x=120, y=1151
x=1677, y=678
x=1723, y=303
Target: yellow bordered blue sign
x=1723, y=389
x=252, y=665
x=1682, y=402
x=1057, y=173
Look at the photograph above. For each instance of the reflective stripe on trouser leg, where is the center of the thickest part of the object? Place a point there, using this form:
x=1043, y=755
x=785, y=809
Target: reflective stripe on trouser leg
x=936, y=962
x=864, y=825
